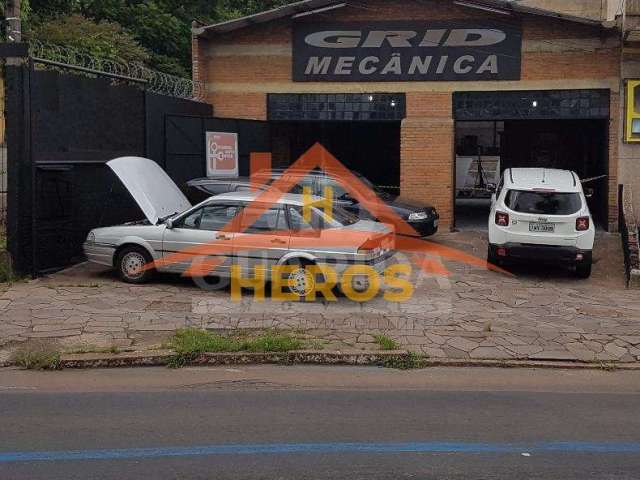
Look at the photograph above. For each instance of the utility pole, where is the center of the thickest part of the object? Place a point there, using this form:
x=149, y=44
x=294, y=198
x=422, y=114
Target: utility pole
x=14, y=25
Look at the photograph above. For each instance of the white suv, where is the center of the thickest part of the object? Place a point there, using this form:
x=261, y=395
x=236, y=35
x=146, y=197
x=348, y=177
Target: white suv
x=541, y=214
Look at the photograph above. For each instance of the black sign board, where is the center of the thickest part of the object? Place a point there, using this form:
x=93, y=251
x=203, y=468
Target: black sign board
x=406, y=51
x=11, y=49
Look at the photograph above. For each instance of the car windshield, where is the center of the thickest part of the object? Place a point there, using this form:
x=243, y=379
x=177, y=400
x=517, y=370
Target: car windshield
x=544, y=203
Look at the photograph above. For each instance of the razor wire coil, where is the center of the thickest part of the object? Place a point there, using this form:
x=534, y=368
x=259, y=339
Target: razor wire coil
x=134, y=72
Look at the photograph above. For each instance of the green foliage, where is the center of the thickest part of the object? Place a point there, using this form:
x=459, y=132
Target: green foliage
x=386, y=343
x=37, y=356
x=272, y=342
x=188, y=343
x=161, y=27
x=408, y=361
x=103, y=39
x=193, y=341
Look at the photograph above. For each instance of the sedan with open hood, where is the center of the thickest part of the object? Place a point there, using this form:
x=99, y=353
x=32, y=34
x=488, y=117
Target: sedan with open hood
x=237, y=228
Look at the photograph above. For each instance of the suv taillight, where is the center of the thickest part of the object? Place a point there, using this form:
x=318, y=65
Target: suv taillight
x=582, y=224
x=502, y=219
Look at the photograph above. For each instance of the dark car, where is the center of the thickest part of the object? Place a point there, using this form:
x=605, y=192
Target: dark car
x=421, y=216
x=200, y=189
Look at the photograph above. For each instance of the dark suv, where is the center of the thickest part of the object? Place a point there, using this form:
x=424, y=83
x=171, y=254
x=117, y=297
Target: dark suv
x=421, y=216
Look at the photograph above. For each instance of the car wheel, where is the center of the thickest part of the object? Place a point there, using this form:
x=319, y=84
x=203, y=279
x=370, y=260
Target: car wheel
x=583, y=269
x=301, y=281
x=131, y=262
x=492, y=258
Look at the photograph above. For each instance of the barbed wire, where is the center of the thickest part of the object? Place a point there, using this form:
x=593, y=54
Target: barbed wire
x=134, y=72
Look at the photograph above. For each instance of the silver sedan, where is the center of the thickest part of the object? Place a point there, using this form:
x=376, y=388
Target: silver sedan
x=235, y=229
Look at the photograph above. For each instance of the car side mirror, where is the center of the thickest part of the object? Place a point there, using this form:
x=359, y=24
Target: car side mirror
x=169, y=223
x=589, y=192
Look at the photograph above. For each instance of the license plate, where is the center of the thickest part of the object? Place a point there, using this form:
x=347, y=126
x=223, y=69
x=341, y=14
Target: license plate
x=542, y=227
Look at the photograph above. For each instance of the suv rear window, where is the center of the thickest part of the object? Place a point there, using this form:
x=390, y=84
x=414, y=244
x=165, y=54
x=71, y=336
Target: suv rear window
x=544, y=203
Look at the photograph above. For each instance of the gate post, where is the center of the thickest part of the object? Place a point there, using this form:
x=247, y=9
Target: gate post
x=19, y=169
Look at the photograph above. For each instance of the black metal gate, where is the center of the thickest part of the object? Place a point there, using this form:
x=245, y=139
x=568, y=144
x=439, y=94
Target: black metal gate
x=61, y=130
x=185, y=143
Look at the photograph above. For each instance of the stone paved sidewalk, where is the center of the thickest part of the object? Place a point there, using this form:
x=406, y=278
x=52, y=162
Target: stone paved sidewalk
x=474, y=313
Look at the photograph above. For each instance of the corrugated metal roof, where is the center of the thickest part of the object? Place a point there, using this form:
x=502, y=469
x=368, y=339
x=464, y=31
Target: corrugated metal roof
x=310, y=5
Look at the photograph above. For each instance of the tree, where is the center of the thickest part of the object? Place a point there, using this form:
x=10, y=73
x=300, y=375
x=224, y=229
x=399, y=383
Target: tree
x=162, y=27
x=103, y=39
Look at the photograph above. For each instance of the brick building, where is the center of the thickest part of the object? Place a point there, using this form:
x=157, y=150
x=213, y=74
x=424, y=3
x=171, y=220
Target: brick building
x=405, y=90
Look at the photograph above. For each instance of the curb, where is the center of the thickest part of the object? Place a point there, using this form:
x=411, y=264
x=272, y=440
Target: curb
x=320, y=357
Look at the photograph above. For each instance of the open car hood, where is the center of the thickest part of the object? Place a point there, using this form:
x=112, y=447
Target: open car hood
x=156, y=194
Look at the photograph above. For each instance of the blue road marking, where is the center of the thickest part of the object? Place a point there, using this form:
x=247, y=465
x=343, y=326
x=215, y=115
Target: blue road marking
x=322, y=448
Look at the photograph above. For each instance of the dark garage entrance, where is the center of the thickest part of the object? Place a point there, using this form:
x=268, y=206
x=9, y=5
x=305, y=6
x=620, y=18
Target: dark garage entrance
x=553, y=129
x=361, y=130
x=369, y=148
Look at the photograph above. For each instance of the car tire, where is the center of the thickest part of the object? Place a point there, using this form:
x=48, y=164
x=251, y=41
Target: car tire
x=132, y=259
x=299, y=276
x=492, y=258
x=583, y=269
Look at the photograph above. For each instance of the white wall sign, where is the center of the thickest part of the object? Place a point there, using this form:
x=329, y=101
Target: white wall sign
x=222, y=154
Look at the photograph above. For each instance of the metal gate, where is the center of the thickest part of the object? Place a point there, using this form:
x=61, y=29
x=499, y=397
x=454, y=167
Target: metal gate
x=61, y=130
x=185, y=157
x=3, y=172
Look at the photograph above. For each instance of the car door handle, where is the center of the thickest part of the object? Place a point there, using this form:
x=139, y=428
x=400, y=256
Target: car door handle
x=222, y=237
x=278, y=241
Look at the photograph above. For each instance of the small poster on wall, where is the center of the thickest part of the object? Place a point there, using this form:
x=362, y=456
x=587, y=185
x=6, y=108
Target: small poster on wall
x=222, y=154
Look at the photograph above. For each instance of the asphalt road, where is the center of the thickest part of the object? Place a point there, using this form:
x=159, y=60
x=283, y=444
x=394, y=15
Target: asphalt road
x=324, y=423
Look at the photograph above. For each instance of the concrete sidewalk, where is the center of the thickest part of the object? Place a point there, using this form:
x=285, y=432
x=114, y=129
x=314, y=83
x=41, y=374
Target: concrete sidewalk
x=473, y=314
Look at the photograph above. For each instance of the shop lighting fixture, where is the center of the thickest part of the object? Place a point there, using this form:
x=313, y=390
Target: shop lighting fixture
x=371, y=98
x=393, y=103
x=534, y=104
x=482, y=7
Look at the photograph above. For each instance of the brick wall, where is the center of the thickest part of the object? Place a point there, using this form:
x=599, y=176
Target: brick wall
x=427, y=151
x=426, y=163
x=243, y=66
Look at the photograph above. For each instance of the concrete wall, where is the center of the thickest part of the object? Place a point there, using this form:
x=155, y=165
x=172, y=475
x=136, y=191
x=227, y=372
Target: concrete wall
x=242, y=67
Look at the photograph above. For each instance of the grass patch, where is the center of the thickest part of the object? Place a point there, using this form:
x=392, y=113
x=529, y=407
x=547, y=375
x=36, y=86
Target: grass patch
x=189, y=343
x=408, y=361
x=37, y=356
x=386, y=343
x=273, y=342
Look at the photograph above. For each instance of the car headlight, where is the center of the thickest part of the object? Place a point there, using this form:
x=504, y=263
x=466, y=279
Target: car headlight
x=91, y=238
x=418, y=216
